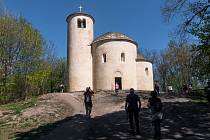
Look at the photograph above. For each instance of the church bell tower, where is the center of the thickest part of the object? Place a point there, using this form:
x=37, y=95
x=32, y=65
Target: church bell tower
x=79, y=59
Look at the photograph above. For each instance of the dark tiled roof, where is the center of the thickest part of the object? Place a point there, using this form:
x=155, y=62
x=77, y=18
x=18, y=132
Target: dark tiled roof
x=140, y=58
x=79, y=14
x=113, y=36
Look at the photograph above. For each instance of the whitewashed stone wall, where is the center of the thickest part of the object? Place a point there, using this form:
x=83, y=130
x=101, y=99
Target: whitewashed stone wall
x=104, y=73
x=79, y=54
x=144, y=75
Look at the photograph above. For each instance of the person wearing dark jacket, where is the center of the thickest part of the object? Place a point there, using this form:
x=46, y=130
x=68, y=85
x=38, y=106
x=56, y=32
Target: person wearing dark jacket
x=155, y=105
x=88, y=101
x=133, y=106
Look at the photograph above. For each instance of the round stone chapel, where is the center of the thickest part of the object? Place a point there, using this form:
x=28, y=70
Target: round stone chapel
x=105, y=61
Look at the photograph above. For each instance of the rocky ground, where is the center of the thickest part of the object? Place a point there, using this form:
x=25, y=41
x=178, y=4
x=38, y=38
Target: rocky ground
x=61, y=116
x=47, y=109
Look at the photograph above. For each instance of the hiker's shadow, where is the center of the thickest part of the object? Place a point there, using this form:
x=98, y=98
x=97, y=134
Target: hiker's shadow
x=183, y=121
x=68, y=128
x=79, y=127
x=115, y=126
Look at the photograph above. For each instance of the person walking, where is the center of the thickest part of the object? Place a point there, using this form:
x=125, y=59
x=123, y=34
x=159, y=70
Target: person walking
x=133, y=106
x=88, y=101
x=155, y=105
x=116, y=88
x=157, y=88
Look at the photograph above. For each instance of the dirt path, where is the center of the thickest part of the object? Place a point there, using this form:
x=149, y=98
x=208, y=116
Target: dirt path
x=184, y=120
x=81, y=127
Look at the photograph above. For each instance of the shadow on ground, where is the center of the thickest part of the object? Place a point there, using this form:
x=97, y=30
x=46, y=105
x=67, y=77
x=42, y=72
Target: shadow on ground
x=183, y=121
x=187, y=121
x=66, y=125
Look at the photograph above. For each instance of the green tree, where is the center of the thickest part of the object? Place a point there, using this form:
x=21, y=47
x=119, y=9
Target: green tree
x=172, y=66
x=58, y=74
x=21, y=53
x=58, y=68
x=201, y=51
x=178, y=58
x=194, y=20
x=28, y=65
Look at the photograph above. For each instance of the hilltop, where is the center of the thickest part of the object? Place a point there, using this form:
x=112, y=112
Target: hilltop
x=61, y=116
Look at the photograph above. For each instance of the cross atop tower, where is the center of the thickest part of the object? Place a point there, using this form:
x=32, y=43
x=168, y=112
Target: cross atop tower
x=80, y=8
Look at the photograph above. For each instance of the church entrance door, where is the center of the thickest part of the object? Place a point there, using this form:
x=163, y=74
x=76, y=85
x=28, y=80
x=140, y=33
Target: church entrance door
x=118, y=80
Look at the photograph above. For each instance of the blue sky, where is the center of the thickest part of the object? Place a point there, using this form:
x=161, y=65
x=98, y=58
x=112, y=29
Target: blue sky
x=139, y=19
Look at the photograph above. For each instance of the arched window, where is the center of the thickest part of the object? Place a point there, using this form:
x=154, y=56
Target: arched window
x=147, y=71
x=122, y=57
x=81, y=23
x=104, y=60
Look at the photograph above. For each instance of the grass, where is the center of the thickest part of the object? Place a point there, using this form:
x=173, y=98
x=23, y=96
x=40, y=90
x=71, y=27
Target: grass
x=200, y=100
x=4, y=134
x=19, y=106
x=6, y=130
x=27, y=123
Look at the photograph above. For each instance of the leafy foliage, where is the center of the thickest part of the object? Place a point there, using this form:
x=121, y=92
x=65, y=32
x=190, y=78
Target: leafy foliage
x=194, y=21
x=24, y=68
x=201, y=56
x=172, y=66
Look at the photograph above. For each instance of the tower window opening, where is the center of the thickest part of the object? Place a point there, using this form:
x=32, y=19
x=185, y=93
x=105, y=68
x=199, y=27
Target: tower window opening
x=104, y=59
x=147, y=71
x=122, y=57
x=81, y=23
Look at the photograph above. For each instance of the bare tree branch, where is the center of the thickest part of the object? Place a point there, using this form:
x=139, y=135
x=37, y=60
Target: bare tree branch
x=204, y=9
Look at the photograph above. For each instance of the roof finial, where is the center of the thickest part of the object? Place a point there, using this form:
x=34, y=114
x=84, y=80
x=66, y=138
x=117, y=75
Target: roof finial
x=80, y=8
